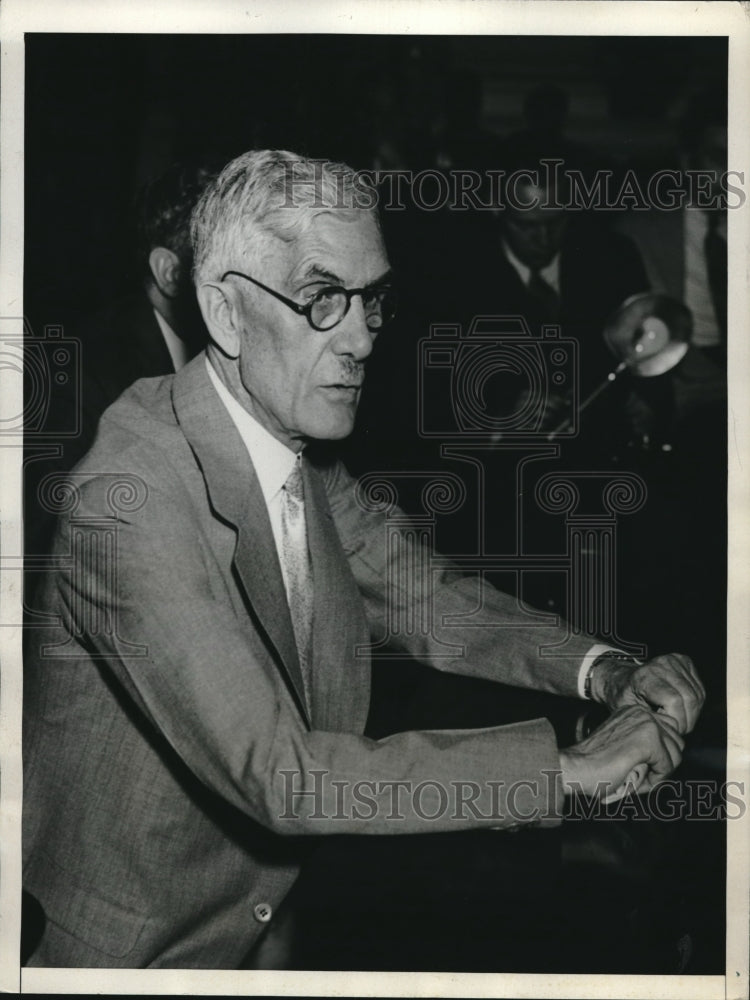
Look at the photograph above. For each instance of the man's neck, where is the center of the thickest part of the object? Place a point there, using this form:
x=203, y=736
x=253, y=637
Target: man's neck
x=228, y=372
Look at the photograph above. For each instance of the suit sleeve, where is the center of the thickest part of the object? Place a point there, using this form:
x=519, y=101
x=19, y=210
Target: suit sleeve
x=460, y=624
x=205, y=684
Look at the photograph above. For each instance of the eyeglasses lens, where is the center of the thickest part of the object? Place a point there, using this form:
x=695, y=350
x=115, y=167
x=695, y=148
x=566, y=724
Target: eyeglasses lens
x=328, y=308
x=331, y=305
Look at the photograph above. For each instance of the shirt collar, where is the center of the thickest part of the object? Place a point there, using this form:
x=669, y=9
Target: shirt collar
x=272, y=460
x=550, y=273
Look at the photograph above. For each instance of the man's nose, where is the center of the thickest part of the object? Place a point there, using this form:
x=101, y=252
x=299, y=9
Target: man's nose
x=352, y=336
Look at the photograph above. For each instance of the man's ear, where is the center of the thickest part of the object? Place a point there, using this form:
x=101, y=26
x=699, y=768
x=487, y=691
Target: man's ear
x=220, y=317
x=165, y=270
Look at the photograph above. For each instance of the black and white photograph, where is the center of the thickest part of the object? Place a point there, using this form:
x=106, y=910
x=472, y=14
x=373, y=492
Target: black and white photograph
x=374, y=502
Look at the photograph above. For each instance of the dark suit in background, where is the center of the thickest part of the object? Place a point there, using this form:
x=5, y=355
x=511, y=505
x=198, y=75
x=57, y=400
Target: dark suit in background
x=598, y=270
x=118, y=345
x=123, y=341
x=472, y=277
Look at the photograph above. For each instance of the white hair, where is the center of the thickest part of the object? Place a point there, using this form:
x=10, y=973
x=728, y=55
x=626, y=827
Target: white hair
x=265, y=193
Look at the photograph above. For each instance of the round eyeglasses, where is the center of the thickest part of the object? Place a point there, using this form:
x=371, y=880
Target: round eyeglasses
x=329, y=306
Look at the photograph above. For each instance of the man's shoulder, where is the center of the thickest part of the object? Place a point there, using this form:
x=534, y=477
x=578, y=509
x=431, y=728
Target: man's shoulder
x=139, y=468
x=138, y=431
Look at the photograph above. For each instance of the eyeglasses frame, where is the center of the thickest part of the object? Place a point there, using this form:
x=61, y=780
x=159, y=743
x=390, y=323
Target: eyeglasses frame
x=306, y=311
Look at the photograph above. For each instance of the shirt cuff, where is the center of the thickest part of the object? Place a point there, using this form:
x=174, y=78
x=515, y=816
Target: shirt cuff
x=587, y=663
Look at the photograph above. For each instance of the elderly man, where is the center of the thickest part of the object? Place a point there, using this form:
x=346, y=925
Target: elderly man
x=201, y=702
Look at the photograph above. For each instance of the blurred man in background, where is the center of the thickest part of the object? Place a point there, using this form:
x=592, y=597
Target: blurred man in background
x=157, y=329
x=154, y=330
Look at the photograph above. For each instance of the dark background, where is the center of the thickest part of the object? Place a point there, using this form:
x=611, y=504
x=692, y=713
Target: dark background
x=104, y=114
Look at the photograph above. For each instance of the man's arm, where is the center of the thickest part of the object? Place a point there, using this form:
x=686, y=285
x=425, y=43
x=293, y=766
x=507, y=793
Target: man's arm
x=473, y=628
x=209, y=685
x=503, y=643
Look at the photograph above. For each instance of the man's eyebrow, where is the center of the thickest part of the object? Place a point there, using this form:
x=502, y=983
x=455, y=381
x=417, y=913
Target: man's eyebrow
x=316, y=271
x=384, y=279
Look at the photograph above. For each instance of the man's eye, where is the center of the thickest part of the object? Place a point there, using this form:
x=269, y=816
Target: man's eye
x=315, y=293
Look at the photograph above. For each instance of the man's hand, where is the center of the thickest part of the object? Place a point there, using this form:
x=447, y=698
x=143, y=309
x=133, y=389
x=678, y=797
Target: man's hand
x=632, y=751
x=668, y=684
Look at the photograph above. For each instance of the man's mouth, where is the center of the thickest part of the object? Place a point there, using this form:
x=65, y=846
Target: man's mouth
x=347, y=391
x=343, y=385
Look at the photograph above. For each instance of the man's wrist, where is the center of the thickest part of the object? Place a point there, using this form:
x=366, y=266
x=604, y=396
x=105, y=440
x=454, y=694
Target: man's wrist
x=603, y=670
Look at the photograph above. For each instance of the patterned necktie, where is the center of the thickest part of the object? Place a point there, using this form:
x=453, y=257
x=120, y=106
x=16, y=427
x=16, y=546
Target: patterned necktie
x=298, y=569
x=544, y=298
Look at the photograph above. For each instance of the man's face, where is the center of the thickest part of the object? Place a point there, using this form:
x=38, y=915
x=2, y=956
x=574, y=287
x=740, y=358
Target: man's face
x=298, y=382
x=535, y=234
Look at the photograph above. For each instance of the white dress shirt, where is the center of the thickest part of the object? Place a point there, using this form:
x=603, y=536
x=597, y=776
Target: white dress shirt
x=272, y=460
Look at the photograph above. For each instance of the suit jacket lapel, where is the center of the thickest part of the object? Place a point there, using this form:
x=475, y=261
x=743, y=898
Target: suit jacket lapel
x=236, y=496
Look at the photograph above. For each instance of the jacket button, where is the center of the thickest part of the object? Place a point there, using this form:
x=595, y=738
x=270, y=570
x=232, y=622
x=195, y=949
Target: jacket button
x=262, y=912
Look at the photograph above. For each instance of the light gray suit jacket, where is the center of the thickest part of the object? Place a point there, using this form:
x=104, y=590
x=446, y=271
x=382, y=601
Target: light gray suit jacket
x=163, y=709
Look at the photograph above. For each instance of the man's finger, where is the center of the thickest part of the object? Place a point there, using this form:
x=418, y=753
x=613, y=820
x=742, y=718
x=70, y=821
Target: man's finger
x=660, y=692
x=683, y=667
x=699, y=691
x=678, y=670
x=668, y=684
x=666, y=751
x=689, y=668
x=669, y=725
